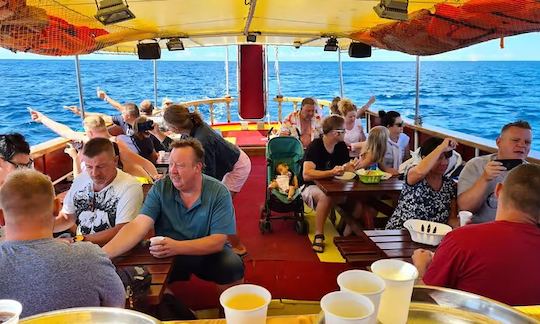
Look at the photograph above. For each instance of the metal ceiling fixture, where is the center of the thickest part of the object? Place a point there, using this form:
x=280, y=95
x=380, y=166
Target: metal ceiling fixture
x=331, y=44
x=113, y=11
x=175, y=44
x=392, y=9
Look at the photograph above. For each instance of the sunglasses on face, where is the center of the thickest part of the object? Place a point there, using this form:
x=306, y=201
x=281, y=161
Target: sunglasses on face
x=21, y=166
x=339, y=131
x=398, y=124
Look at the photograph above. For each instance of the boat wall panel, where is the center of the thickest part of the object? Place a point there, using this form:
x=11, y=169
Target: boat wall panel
x=55, y=164
x=252, y=89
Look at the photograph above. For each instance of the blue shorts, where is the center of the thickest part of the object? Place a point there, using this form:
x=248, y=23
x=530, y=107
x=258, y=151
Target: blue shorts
x=223, y=267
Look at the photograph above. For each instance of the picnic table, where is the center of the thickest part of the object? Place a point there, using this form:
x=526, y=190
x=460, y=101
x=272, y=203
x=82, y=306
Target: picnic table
x=160, y=269
x=372, y=194
x=362, y=250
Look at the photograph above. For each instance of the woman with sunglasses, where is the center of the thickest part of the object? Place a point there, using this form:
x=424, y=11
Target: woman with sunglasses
x=427, y=194
x=397, y=149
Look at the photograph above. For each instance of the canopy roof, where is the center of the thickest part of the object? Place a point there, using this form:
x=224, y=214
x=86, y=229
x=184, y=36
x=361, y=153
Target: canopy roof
x=68, y=27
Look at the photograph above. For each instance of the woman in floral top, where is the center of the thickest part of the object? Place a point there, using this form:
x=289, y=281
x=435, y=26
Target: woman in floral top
x=427, y=194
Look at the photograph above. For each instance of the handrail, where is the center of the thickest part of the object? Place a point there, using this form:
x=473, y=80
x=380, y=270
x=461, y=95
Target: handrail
x=295, y=100
x=478, y=143
x=211, y=101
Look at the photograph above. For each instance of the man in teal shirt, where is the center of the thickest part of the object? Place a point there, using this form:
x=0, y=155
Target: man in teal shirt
x=192, y=214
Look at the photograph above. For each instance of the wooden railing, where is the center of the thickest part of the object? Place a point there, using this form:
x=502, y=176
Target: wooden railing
x=211, y=102
x=470, y=145
x=295, y=101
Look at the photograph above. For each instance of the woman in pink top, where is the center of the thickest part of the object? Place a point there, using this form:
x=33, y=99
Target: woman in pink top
x=354, y=132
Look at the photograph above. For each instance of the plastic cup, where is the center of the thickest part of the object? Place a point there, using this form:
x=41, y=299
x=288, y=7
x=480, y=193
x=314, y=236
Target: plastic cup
x=399, y=277
x=464, y=217
x=156, y=239
x=340, y=306
x=13, y=307
x=364, y=283
x=256, y=315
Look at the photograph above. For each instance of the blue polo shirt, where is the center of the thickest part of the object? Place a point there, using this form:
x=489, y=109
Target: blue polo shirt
x=212, y=213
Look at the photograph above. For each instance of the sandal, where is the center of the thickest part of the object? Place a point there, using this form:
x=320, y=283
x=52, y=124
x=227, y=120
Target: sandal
x=318, y=243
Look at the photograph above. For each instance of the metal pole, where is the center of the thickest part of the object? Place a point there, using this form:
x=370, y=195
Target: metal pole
x=227, y=71
x=417, y=117
x=340, y=74
x=79, y=85
x=155, y=84
x=276, y=68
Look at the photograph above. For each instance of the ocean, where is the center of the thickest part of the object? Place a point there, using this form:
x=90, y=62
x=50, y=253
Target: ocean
x=476, y=98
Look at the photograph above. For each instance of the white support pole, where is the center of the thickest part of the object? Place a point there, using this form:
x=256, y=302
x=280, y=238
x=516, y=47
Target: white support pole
x=276, y=69
x=79, y=85
x=156, y=104
x=227, y=71
x=417, y=117
x=340, y=74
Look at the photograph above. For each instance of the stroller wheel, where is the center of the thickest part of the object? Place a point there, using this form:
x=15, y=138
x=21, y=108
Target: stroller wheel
x=301, y=227
x=265, y=226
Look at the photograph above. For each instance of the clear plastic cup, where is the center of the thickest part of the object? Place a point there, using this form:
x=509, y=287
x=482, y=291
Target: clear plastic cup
x=364, y=283
x=399, y=277
x=342, y=307
x=156, y=239
x=254, y=315
x=12, y=307
x=464, y=217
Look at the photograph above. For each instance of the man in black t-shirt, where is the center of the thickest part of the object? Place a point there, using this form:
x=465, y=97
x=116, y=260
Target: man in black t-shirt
x=325, y=157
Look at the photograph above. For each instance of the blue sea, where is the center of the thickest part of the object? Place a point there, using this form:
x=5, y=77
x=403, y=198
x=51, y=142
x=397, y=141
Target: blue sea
x=476, y=98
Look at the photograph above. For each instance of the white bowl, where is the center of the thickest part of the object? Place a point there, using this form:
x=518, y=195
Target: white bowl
x=347, y=175
x=432, y=233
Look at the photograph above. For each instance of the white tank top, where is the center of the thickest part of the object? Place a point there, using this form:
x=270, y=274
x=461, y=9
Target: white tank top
x=354, y=135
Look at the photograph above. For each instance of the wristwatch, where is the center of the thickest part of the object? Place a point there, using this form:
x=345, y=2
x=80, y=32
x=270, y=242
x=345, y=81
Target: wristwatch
x=78, y=238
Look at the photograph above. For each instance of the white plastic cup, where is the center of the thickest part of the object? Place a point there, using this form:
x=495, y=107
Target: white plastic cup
x=250, y=316
x=156, y=239
x=343, y=299
x=364, y=283
x=464, y=217
x=399, y=277
x=243, y=125
x=11, y=306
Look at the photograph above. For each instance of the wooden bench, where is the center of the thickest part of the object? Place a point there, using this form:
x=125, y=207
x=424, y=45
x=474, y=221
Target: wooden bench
x=362, y=250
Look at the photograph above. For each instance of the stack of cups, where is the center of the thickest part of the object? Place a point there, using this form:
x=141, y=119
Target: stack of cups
x=245, y=304
x=399, y=277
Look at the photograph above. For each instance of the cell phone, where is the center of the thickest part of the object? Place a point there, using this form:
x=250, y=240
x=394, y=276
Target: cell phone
x=509, y=164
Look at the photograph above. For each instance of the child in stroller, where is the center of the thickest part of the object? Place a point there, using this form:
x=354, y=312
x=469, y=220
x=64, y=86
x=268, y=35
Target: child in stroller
x=286, y=181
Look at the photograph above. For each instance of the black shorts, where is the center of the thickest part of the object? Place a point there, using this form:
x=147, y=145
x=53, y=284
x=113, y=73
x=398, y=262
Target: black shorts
x=223, y=268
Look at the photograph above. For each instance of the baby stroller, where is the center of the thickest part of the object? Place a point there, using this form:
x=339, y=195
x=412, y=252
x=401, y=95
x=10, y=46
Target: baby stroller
x=283, y=149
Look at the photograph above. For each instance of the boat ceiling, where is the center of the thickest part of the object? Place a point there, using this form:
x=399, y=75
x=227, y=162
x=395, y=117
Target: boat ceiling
x=68, y=27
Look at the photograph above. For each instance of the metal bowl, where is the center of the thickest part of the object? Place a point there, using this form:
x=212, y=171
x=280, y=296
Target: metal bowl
x=437, y=305
x=94, y=315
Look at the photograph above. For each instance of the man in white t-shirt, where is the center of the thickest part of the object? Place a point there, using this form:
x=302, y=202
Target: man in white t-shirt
x=102, y=199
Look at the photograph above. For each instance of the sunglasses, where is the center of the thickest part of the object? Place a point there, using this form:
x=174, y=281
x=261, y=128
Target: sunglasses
x=399, y=124
x=20, y=166
x=339, y=131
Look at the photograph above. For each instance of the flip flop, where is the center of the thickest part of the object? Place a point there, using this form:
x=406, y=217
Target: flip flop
x=318, y=243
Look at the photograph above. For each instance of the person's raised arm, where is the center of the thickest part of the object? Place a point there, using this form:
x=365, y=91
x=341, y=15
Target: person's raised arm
x=360, y=113
x=472, y=189
x=77, y=111
x=310, y=173
x=76, y=164
x=56, y=127
x=129, y=157
x=103, y=95
x=419, y=172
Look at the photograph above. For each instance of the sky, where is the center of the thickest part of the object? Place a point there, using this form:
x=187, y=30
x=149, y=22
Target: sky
x=524, y=47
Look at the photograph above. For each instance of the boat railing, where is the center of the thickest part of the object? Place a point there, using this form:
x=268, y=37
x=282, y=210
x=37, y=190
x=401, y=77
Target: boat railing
x=295, y=103
x=470, y=146
x=211, y=102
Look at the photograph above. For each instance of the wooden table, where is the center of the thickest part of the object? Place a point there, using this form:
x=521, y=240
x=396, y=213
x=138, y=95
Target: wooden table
x=159, y=268
x=370, y=193
x=362, y=250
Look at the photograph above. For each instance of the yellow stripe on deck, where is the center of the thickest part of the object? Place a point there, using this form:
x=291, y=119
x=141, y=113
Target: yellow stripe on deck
x=331, y=253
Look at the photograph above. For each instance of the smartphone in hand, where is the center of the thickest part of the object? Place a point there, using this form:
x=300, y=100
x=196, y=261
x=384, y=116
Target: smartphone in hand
x=509, y=164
